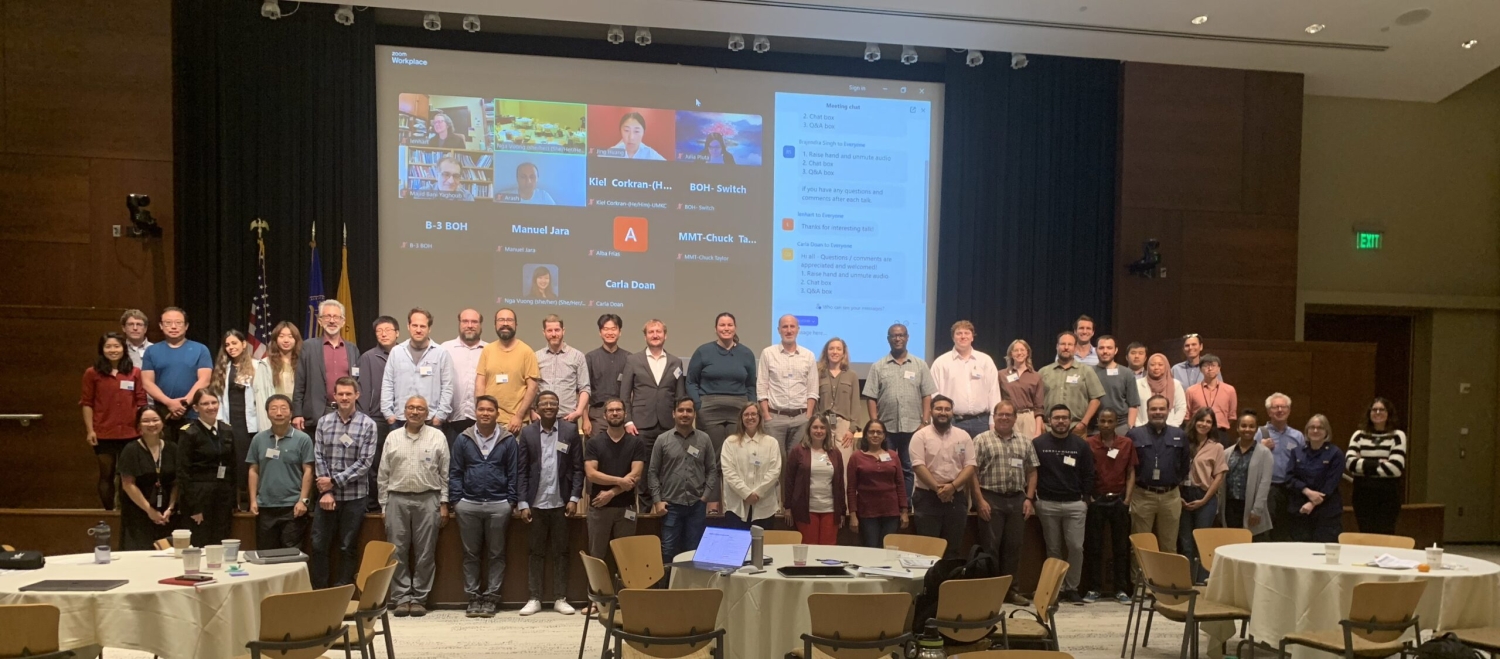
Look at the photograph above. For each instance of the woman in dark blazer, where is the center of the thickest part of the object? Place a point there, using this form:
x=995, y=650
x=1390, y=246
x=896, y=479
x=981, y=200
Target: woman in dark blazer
x=206, y=472
x=813, y=485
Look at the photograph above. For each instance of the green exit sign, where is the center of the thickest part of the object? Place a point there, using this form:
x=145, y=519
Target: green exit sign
x=1368, y=240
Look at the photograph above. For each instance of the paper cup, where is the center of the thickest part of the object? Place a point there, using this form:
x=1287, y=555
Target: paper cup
x=1435, y=557
x=192, y=558
x=799, y=554
x=214, y=556
x=1331, y=553
x=180, y=541
x=231, y=551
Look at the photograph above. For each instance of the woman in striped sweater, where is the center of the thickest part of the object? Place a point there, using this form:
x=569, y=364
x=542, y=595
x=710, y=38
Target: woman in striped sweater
x=1377, y=459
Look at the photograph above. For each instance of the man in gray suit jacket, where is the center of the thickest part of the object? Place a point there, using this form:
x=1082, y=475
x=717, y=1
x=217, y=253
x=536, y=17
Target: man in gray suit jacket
x=651, y=383
x=312, y=396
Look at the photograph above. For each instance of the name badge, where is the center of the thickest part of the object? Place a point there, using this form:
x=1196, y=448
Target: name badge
x=910, y=375
x=823, y=458
x=1113, y=453
x=1072, y=379
x=158, y=498
x=1111, y=371
x=629, y=514
x=427, y=455
x=961, y=449
x=619, y=377
x=975, y=375
x=693, y=451
x=1156, y=474
x=424, y=370
x=677, y=372
x=127, y=385
x=1070, y=460
x=753, y=461
x=502, y=378
x=222, y=471
x=885, y=457
x=353, y=371
x=1016, y=462
x=272, y=454
x=562, y=448
x=1012, y=377
x=346, y=440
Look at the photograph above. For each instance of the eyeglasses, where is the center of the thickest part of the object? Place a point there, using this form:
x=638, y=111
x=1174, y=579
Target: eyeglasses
x=173, y=323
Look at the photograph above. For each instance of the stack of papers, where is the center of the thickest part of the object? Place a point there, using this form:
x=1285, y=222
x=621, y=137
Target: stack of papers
x=885, y=572
x=1390, y=562
x=913, y=562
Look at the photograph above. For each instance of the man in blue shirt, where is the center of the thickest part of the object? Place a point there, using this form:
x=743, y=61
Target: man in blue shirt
x=175, y=369
x=1283, y=440
x=1161, y=462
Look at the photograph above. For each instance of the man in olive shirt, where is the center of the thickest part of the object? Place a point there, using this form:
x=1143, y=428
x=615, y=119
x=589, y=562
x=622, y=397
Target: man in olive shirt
x=1072, y=384
x=684, y=481
x=281, y=477
x=1121, y=393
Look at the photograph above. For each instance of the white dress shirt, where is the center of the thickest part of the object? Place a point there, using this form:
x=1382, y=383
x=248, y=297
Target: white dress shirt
x=752, y=465
x=414, y=464
x=658, y=365
x=786, y=379
x=973, y=382
x=136, y=353
x=465, y=362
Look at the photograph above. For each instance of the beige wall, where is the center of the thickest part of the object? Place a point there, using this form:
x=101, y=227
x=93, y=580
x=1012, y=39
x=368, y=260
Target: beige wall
x=1429, y=174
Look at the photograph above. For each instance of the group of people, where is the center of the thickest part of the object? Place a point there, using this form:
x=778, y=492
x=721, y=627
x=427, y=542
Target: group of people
x=316, y=434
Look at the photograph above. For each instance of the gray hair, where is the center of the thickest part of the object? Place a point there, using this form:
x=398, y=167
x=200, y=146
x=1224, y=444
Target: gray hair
x=331, y=303
x=1276, y=395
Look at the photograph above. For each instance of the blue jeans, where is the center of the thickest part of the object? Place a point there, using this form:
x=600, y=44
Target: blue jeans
x=901, y=441
x=682, y=528
x=975, y=426
x=873, y=530
x=1201, y=518
x=343, y=523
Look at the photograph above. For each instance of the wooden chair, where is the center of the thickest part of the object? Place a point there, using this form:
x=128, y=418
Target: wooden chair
x=638, y=558
x=1141, y=601
x=7, y=548
x=1170, y=580
x=1378, y=540
x=970, y=612
x=1014, y=654
x=378, y=554
x=371, y=605
x=668, y=624
x=162, y=544
x=1211, y=539
x=30, y=630
x=782, y=537
x=302, y=625
x=606, y=603
x=916, y=544
x=1042, y=627
x=1379, y=616
x=855, y=625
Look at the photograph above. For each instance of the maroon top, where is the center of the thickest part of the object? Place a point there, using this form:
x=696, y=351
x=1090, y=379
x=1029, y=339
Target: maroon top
x=335, y=364
x=876, y=489
x=796, y=483
x=114, y=399
x=1110, y=474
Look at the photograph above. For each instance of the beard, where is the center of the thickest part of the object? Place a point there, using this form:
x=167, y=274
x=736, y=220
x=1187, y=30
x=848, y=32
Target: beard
x=615, y=423
x=942, y=426
x=468, y=335
x=507, y=333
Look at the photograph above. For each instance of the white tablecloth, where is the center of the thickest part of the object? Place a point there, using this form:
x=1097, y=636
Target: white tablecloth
x=172, y=622
x=766, y=614
x=1289, y=587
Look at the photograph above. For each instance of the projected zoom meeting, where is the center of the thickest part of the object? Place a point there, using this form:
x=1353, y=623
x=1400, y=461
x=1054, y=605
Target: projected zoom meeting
x=676, y=195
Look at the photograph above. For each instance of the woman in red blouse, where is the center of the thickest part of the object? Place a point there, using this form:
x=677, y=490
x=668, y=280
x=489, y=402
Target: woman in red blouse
x=877, y=490
x=112, y=392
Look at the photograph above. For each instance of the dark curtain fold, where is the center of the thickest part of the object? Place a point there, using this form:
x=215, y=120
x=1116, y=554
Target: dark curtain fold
x=1028, y=200
x=273, y=120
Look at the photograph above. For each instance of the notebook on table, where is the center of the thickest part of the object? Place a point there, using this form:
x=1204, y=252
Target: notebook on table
x=74, y=585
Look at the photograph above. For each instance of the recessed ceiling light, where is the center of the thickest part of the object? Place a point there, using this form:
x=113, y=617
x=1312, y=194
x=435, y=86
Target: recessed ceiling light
x=1200, y=20
x=1469, y=44
x=1314, y=28
x=1413, y=17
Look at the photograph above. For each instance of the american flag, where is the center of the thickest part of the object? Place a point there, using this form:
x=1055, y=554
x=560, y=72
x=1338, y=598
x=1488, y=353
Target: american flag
x=260, y=303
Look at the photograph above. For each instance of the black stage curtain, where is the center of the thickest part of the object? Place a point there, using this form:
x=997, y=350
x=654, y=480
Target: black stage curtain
x=275, y=120
x=1026, y=242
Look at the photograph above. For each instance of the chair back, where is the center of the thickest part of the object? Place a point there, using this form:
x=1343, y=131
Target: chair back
x=9, y=548
x=1385, y=602
x=1169, y=571
x=639, y=560
x=1378, y=540
x=302, y=616
x=1211, y=539
x=917, y=544
x=971, y=600
x=377, y=588
x=782, y=538
x=28, y=629
x=1015, y=654
x=859, y=617
x=1145, y=541
x=1049, y=587
x=666, y=614
x=378, y=554
x=162, y=544
x=600, y=583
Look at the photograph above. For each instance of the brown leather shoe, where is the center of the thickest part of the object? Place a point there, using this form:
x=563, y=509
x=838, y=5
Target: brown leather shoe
x=403, y=610
x=1017, y=599
x=417, y=610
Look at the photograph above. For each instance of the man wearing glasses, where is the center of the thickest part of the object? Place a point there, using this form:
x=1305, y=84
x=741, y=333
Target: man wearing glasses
x=324, y=360
x=1283, y=440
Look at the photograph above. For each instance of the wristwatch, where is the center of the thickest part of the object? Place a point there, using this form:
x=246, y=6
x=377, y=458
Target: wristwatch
x=306, y=501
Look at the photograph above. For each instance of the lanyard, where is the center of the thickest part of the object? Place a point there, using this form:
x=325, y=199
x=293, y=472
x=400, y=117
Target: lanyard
x=156, y=465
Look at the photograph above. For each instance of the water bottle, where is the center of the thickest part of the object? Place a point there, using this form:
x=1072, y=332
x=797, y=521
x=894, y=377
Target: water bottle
x=101, y=533
x=757, y=548
x=930, y=646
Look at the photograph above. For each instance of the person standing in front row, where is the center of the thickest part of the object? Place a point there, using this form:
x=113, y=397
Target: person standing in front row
x=1022, y=386
x=205, y=454
x=786, y=383
x=1376, y=460
x=1201, y=488
x=942, y=457
x=414, y=495
x=565, y=372
x=344, y=445
x=483, y=486
x=1316, y=506
x=371, y=376
x=1162, y=460
x=551, y=470
x=751, y=465
x=899, y=391
x=1109, y=506
x=148, y=479
x=1282, y=440
x=877, y=489
x=323, y=361
x=606, y=371
x=174, y=370
x=614, y=463
x=720, y=378
x=1065, y=477
x=1247, y=486
x=684, y=481
x=1073, y=385
x=464, y=351
x=508, y=372
x=652, y=382
x=112, y=393
x=281, y=479
x=813, y=484
x=417, y=368
x=1004, y=485
x=969, y=378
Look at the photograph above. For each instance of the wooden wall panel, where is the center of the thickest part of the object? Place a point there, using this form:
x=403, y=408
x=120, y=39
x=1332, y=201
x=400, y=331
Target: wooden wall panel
x=140, y=271
x=1181, y=137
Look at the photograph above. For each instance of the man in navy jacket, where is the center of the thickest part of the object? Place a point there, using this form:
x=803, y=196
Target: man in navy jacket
x=551, y=486
x=482, y=485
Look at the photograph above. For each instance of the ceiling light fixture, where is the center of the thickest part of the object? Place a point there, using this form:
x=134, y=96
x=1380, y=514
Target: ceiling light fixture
x=761, y=44
x=471, y=23
x=270, y=9
x=432, y=21
x=974, y=57
x=615, y=35
x=1200, y=20
x=872, y=52
x=643, y=36
x=1018, y=61
x=1314, y=28
x=344, y=15
x=736, y=42
x=1470, y=44
x=908, y=55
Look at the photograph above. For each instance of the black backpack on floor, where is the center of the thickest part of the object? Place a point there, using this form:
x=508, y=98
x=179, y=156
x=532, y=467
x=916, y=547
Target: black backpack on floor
x=979, y=565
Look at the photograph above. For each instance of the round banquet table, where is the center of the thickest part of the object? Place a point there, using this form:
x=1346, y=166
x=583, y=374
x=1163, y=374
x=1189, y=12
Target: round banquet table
x=1289, y=587
x=766, y=614
x=172, y=622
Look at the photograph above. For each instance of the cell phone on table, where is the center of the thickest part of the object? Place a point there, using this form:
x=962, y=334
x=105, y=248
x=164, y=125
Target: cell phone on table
x=196, y=577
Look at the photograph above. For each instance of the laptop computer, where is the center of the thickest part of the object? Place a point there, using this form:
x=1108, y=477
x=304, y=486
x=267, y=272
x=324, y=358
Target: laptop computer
x=720, y=549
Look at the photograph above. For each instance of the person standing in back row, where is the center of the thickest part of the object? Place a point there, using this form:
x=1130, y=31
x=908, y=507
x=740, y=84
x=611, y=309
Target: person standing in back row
x=1065, y=478
x=417, y=368
x=652, y=382
x=509, y=372
x=606, y=370
x=786, y=382
x=720, y=379
x=899, y=390
x=1376, y=460
x=970, y=378
x=1073, y=385
x=1217, y=395
x=1083, y=332
x=371, y=376
x=174, y=370
x=565, y=372
x=1022, y=387
x=464, y=351
x=323, y=361
x=1121, y=389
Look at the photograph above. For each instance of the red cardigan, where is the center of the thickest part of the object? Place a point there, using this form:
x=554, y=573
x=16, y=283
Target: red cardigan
x=796, y=483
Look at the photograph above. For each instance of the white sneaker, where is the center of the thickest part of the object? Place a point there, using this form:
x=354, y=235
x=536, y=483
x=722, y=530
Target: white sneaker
x=532, y=606
x=562, y=606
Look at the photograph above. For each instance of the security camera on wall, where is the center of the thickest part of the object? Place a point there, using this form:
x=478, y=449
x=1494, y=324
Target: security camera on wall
x=143, y=225
x=1150, y=261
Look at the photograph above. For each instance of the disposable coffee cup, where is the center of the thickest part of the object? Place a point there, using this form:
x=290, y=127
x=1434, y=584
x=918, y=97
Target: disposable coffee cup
x=1331, y=553
x=1435, y=557
x=214, y=556
x=192, y=558
x=799, y=554
x=181, y=538
x=231, y=551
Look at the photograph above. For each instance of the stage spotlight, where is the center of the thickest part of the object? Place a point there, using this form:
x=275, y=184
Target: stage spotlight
x=1018, y=61
x=432, y=21
x=872, y=52
x=615, y=35
x=471, y=23
x=974, y=58
x=344, y=15
x=761, y=44
x=643, y=36
x=908, y=55
x=736, y=42
x=270, y=9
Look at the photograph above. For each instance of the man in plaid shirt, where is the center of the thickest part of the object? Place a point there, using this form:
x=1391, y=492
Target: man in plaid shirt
x=344, y=448
x=1006, y=483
